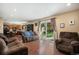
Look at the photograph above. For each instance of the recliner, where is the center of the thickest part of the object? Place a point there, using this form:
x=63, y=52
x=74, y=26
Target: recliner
x=67, y=42
x=14, y=46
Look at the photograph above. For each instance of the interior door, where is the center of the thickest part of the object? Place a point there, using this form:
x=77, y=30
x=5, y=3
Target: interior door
x=30, y=27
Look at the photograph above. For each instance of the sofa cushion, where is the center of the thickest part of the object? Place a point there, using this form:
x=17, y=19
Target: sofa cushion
x=66, y=41
x=74, y=42
x=3, y=47
x=4, y=37
x=64, y=35
x=65, y=48
x=69, y=35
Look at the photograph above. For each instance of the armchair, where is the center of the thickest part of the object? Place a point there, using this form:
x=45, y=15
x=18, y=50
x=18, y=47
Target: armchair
x=14, y=46
x=68, y=42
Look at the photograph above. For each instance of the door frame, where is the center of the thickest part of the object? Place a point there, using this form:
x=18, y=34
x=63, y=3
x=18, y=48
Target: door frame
x=45, y=21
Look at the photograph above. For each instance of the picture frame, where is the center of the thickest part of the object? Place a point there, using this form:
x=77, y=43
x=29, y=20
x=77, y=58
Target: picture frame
x=72, y=22
x=62, y=25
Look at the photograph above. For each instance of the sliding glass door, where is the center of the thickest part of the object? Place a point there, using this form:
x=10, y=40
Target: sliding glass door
x=46, y=30
x=43, y=30
x=49, y=31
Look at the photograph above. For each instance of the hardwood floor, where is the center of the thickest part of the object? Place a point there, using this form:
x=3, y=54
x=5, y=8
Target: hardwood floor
x=33, y=47
x=42, y=47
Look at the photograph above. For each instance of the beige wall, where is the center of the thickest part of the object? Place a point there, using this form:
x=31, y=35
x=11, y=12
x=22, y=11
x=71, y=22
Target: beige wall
x=65, y=18
x=1, y=25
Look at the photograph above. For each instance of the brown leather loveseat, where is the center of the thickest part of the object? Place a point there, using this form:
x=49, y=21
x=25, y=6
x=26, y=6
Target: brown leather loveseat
x=68, y=42
x=12, y=46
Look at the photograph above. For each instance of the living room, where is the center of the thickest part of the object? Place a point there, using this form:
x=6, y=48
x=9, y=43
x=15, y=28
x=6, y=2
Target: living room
x=26, y=33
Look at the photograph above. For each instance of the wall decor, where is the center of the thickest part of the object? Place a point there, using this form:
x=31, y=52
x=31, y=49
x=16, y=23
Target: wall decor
x=72, y=22
x=62, y=25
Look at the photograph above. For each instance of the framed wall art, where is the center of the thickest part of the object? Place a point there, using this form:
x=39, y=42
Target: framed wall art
x=62, y=25
x=72, y=22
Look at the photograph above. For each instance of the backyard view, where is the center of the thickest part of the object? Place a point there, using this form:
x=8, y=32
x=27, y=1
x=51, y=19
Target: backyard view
x=46, y=30
x=49, y=30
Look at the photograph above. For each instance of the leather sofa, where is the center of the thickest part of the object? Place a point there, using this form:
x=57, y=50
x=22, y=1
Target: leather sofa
x=68, y=42
x=12, y=46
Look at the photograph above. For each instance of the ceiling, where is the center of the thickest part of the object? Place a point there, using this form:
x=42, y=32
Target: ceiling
x=31, y=11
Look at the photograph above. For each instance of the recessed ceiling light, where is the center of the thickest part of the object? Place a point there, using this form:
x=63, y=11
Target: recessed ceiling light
x=68, y=4
x=15, y=10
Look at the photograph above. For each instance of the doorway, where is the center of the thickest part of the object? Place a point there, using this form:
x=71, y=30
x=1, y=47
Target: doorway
x=30, y=27
x=46, y=30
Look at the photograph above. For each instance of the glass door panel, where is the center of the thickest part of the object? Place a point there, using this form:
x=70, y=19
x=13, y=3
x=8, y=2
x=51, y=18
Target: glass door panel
x=43, y=30
x=46, y=30
x=49, y=31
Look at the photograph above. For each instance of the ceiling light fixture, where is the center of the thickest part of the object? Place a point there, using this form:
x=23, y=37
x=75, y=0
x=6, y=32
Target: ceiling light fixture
x=15, y=10
x=68, y=4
